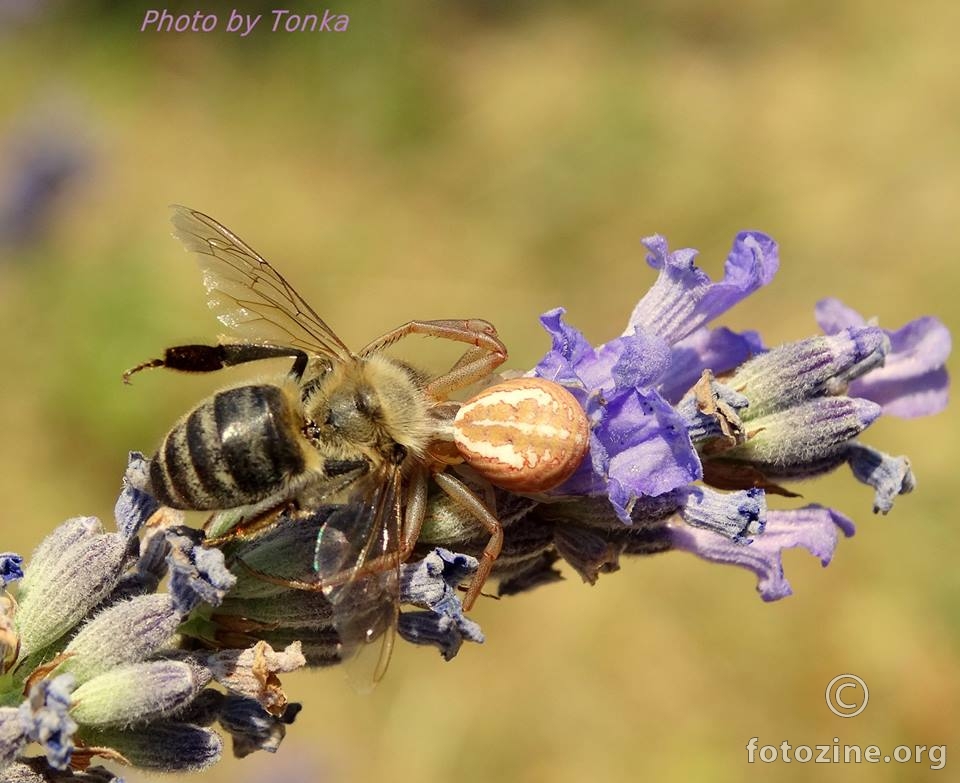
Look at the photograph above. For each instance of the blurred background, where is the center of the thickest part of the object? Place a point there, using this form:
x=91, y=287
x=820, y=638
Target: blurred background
x=498, y=159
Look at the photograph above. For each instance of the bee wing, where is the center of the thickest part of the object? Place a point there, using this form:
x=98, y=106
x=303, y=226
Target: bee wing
x=247, y=294
x=357, y=551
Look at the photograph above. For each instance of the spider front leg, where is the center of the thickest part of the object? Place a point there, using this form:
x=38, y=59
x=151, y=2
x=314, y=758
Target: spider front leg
x=486, y=353
x=464, y=497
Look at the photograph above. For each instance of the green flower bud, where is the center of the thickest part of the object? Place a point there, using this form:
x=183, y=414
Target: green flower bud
x=137, y=693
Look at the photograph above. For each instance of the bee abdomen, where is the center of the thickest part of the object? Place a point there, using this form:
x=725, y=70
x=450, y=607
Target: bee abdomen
x=236, y=448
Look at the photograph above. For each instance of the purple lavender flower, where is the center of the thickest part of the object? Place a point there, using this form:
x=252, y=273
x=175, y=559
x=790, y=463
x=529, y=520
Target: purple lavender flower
x=660, y=421
x=913, y=381
x=11, y=568
x=432, y=584
x=639, y=443
x=813, y=528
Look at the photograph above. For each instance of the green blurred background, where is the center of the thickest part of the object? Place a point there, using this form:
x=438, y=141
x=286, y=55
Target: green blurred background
x=495, y=160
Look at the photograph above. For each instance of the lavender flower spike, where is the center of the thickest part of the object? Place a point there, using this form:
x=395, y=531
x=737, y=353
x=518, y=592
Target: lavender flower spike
x=661, y=420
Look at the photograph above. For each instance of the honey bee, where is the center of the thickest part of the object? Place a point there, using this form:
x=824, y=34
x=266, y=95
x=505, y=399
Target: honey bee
x=340, y=426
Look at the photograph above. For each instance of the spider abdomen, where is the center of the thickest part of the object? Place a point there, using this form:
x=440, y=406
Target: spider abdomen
x=525, y=434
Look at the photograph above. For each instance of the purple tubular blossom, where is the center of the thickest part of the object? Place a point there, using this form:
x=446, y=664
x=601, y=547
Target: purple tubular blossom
x=813, y=527
x=644, y=449
x=197, y=574
x=11, y=568
x=913, y=382
x=733, y=515
x=889, y=476
x=791, y=412
x=135, y=505
x=639, y=445
x=45, y=716
x=683, y=298
x=638, y=442
x=432, y=583
x=638, y=359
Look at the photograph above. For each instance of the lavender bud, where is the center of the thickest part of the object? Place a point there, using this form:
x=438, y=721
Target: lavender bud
x=21, y=773
x=204, y=709
x=164, y=746
x=138, y=692
x=796, y=372
x=127, y=632
x=537, y=572
x=589, y=552
x=47, y=556
x=788, y=442
x=36, y=770
x=67, y=587
x=9, y=639
x=296, y=608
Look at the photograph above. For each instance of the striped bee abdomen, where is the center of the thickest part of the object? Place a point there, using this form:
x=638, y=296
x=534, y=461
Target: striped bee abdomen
x=234, y=449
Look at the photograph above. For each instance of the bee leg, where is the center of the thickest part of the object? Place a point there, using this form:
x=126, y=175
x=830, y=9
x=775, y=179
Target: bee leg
x=416, y=509
x=415, y=512
x=210, y=358
x=258, y=524
x=462, y=495
x=487, y=353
